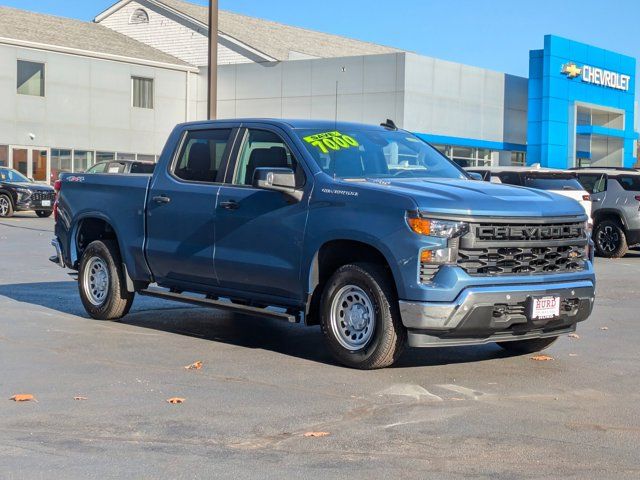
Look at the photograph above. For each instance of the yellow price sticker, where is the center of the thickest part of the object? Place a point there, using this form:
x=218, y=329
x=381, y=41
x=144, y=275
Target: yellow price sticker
x=331, y=141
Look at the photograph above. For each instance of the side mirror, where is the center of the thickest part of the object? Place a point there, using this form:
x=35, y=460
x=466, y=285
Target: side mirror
x=276, y=179
x=475, y=176
x=31, y=179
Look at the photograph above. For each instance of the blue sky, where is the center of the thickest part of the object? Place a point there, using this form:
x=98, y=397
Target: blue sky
x=496, y=34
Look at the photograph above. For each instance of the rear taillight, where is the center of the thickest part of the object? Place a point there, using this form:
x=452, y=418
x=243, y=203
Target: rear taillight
x=57, y=186
x=638, y=198
x=586, y=198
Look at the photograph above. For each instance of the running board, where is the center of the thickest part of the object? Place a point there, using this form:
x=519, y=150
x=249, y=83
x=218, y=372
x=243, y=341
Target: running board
x=207, y=302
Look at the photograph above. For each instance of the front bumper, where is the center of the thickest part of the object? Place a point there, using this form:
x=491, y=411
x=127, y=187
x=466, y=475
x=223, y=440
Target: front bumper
x=495, y=313
x=34, y=205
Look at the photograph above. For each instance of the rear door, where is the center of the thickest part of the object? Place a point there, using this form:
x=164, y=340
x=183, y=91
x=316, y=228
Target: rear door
x=260, y=233
x=181, y=207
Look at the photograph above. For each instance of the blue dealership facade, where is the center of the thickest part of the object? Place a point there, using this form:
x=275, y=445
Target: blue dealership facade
x=581, y=106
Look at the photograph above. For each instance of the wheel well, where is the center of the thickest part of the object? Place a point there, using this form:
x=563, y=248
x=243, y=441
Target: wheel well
x=91, y=229
x=333, y=255
x=613, y=216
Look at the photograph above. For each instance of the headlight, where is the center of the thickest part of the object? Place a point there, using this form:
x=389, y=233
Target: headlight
x=23, y=191
x=437, y=228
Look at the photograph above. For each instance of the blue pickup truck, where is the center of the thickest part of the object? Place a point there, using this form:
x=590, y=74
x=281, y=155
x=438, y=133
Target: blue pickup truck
x=367, y=231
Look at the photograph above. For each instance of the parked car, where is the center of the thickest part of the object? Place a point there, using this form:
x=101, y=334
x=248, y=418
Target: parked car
x=123, y=166
x=19, y=193
x=616, y=208
x=367, y=231
x=562, y=182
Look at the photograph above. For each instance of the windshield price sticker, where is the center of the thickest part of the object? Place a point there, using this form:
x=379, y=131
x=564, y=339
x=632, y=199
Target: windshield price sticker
x=331, y=141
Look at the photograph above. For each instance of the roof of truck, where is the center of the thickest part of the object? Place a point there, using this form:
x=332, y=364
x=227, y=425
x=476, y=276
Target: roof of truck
x=328, y=125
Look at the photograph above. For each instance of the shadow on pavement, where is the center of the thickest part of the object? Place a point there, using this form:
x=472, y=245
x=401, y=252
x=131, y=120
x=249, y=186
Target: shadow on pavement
x=230, y=328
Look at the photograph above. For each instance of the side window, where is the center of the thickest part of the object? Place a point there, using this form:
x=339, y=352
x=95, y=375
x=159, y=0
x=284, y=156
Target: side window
x=98, y=168
x=116, y=167
x=264, y=149
x=510, y=178
x=201, y=155
x=630, y=183
x=588, y=181
x=600, y=185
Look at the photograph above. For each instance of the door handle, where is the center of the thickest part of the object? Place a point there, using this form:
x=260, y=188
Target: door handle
x=161, y=199
x=230, y=205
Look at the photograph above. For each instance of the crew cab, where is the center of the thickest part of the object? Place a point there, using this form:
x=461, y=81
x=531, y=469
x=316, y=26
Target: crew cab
x=364, y=230
x=19, y=193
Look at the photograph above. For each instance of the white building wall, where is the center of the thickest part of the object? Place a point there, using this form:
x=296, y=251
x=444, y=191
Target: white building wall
x=369, y=89
x=87, y=104
x=170, y=34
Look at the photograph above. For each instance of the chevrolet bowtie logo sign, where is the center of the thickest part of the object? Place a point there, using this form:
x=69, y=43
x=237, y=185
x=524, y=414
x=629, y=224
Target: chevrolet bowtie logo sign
x=597, y=76
x=571, y=70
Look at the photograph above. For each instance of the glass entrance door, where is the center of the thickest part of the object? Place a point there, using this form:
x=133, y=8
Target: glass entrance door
x=32, y=162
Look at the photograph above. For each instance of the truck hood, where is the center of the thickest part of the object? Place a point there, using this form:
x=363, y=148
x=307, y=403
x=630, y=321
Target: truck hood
x=476, y=198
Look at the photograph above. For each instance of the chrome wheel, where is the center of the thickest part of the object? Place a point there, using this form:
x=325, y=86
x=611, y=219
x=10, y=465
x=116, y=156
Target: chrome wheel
x=4, y=206
x=352, y=317
x=608, y=239
x=96, y=281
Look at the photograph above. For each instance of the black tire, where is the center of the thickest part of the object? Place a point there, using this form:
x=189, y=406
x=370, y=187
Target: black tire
x=116, y=300
x=610, y=239
x=528, y=346
x=388, y=336
x=6, y=207
x=44, y=213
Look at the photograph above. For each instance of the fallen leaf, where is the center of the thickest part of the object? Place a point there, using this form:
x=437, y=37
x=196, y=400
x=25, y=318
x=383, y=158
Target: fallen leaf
x=574, y=335
x=316, y=434
x=80, y=398
x=541, y=358
x=604, y=328
x=194, y=366
x=456, y=399
x=22, y=397
x=176, y=400
x=573, y=354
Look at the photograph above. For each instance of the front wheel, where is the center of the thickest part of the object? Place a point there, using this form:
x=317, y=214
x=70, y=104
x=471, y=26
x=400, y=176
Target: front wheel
x=44, y=213
x=360, y=317
x=102, y=283
x=527, y=346
x=610, y=239
x=6, y=207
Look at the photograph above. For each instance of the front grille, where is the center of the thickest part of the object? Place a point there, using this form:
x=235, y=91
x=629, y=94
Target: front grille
x=512, y=247
x=39, y=196
x=522, y=260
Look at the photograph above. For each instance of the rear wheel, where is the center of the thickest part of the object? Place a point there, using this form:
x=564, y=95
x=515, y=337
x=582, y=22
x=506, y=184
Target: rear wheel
x=6, y=207
x=360, y=317
x=102, y=283
x=528, y=346
x=44, y=213
x=610, y=239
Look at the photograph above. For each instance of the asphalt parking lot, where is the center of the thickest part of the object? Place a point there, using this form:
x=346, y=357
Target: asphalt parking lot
x=443, y=413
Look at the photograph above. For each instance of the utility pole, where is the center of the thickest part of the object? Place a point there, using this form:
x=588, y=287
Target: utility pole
x=213, y=59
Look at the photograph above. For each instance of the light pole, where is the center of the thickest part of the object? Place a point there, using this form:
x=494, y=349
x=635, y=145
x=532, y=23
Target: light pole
x=213, y=59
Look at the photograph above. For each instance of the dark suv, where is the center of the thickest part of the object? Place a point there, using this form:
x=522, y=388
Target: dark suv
x=615, y=193
x=19, y=193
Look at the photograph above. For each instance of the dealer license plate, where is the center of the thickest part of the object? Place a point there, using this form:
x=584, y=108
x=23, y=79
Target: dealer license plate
x=545, y=307
x=46, y=203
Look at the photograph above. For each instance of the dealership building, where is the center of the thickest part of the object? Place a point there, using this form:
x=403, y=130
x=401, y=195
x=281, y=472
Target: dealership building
x=73, y=93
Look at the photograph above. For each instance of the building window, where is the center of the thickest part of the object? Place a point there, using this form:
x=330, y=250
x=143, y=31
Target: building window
x=60, y=162
x=105, y=156
x=82, y=160
x=146, y=158
x=4, y=156
x=140, y=15
x=518, y=159
x=466, y=156
x=125, y=156
x=30, y=78
x=142, y=92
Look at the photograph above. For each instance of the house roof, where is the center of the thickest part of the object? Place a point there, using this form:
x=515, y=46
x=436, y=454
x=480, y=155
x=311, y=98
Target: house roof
x=276, y=39
x=82, y=37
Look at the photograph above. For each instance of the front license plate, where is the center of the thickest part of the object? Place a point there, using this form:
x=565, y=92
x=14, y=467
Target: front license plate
x=46, y=203
x=545, y=307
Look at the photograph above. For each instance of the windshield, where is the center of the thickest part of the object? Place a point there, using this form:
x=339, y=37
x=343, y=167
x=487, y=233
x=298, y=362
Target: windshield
x=553, y=183
x=9, y=175
x=354, y=154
